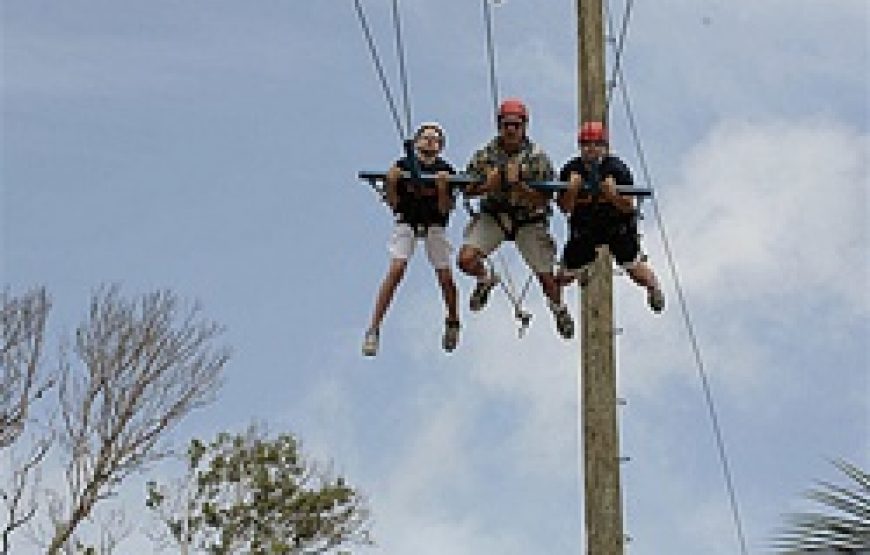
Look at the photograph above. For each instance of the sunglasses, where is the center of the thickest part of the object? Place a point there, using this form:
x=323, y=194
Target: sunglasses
x=514, y=124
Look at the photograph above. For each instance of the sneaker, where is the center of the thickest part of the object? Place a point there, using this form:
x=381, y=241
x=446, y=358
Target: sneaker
x=370, y=343
x=451, y=335
x=481, y=293
x=564, y=322
x=656, y=299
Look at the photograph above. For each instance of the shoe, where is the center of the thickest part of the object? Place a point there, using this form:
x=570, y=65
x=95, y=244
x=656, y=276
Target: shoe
x=564, y=322
x=481, y=293
x=370, y=343
x=451, y=335
x=656, y=299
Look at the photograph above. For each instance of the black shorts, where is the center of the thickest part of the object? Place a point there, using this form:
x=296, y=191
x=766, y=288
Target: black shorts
x=621, y=238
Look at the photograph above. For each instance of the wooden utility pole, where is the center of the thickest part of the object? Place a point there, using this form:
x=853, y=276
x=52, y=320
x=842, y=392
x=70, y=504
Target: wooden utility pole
x=603, y=499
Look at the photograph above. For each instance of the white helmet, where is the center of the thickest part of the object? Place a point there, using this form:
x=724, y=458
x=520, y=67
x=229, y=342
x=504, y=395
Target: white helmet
x=432, y=125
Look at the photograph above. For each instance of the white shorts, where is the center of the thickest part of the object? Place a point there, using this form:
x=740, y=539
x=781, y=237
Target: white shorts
x=403, y=241
x=533, y=240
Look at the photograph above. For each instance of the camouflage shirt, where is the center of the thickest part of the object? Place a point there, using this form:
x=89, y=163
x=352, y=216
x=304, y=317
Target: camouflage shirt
x=535, y=165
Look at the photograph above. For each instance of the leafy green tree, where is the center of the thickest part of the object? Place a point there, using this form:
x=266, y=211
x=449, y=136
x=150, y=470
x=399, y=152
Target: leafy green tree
x=843, y=528
x=249, y=493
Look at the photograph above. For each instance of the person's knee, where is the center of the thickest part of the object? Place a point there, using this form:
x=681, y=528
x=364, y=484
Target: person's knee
x=640, y=273
x=397, y=269
x=445, y=278
x=547, y=280
x=468, y=259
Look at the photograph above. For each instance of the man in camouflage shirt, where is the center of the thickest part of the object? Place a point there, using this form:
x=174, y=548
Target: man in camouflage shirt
x=512, y=211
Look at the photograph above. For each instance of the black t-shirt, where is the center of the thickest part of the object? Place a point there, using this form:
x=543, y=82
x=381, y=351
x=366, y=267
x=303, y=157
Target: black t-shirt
x=598, y=212
x=418, y=204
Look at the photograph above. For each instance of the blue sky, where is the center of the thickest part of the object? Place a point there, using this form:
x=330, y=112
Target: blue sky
x=212, y=148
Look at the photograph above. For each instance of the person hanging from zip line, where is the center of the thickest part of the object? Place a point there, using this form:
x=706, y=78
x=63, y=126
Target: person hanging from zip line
x=422, y=213
x=512, y=211
x=605, y=218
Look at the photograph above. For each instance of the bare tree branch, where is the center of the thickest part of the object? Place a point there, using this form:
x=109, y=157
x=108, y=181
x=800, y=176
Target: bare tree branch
x=142, y=366
x=22, y=335
x=18, y=511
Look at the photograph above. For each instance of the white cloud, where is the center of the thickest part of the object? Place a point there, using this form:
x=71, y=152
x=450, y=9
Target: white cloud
x=771, y=210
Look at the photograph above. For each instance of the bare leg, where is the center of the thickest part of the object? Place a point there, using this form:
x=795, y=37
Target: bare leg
x=448, y=291
x=641, y=273
x=564, y=322
x=551, y=287
x=388, y=288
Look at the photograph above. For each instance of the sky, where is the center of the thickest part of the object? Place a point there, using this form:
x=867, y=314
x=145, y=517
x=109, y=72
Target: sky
x=212, y=148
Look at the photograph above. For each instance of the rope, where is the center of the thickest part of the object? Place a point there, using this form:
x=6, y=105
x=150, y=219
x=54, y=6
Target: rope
x=507, y=285
x=620, y=47
x=490, y=55
x=690, y=329
x=379, y=68
x=403, y=76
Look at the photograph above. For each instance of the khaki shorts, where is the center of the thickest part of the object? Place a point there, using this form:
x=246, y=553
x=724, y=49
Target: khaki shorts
x=533, y=240
x=403, y=240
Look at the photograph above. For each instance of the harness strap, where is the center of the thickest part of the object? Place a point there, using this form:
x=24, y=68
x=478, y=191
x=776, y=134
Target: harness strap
x=514, y=223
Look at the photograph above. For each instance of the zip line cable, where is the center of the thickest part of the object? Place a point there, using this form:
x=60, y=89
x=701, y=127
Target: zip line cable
x=620, y=47
x=379, y=69
x=618, y=78
x=403, y=75
x=490, y=54
x=684, y=309
x=507, y=285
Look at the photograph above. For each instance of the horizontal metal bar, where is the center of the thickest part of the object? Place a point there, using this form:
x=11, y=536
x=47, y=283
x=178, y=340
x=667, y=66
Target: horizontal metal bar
x=461, y=180
x=427, y=178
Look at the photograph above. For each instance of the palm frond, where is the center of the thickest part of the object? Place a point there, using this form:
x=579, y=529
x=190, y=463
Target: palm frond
x=844, y=527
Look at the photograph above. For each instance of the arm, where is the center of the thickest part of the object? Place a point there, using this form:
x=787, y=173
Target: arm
x=444, y=198
x=571, y=196
x=617, y=173
x=536, y=167
x=624, y=204
x=480, y=167
x=521, y=192
x=391, y=188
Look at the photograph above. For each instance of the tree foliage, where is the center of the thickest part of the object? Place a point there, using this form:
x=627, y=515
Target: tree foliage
x=251, y=494
x=844, y=527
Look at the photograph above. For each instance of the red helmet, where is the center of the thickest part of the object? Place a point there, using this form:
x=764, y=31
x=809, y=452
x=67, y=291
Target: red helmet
x=513, y=107
x=592, y=132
